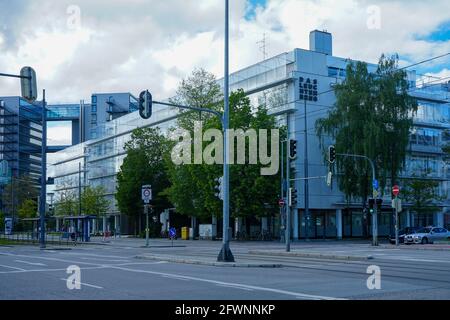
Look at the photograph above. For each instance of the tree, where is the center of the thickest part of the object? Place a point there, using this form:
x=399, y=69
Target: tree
x=143, y=165
x=67, y=204
x=17, y=192
x=371, y=117
x=93, y=201
x=192, y=186
x=423, y=195
x=28, y=209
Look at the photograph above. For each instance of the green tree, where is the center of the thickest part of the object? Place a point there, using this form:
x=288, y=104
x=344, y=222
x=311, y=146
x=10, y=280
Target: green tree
x=93, y=201
x=28, y=209
x=67, y=203
x=372, y=116
x=17, y=192
x=423, y=195
x=143, y=165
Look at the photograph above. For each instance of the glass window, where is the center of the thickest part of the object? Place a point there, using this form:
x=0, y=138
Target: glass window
x=94, y=108
x=94, y=99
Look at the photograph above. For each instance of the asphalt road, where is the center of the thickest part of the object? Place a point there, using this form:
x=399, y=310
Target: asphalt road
x=113, y=272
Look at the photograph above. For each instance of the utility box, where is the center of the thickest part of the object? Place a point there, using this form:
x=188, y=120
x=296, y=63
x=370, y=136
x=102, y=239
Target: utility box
x=185, y=233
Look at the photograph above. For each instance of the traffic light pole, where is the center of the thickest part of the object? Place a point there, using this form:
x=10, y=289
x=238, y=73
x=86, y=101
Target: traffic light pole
x=375, y=209
x=287, y=232
x=43, y=201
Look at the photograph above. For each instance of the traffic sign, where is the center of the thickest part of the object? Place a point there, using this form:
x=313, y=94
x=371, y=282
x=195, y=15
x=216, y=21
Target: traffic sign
x=375, y=184
x=281, y=203
x=147, y=193
x=395, y=190
x=172, y=233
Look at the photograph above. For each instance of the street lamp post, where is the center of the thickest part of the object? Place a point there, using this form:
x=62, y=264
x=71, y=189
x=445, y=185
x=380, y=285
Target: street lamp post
x=43, y=194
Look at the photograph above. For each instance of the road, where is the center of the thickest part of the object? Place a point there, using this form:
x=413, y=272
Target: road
x=113, y=272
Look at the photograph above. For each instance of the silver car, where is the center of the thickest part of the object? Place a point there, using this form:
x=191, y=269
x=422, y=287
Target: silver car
x=427, y=235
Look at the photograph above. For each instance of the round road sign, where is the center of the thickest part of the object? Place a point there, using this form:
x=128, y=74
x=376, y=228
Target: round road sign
x=395, y=190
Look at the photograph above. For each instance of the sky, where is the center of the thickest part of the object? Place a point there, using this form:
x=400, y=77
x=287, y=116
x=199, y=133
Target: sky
x=78, y=47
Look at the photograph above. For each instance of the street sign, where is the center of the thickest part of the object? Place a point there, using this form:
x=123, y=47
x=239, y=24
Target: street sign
x=281, y=203
x=395, y=190
x=8, y=226
x=147, y=193
x=397, y=205
x=375, y=184
x=172, y=233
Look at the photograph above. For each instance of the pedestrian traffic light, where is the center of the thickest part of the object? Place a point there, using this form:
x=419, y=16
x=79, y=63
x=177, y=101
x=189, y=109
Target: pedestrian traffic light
x=292, y=197
x=331, y=154
x=145, y=104
x=292, y=149
x=218, y=190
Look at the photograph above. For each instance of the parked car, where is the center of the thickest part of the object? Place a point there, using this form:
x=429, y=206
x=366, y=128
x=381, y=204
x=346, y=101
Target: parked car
x=427, y=235
x=402, y=233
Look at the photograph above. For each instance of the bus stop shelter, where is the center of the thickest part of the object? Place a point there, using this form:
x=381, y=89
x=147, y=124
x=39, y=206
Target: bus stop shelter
x=35, y=225
x=81, y=224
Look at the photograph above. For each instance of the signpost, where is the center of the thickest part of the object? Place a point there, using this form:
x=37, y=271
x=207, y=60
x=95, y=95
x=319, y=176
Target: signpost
x=172, y=234
x=146, y=197
x=397, y=205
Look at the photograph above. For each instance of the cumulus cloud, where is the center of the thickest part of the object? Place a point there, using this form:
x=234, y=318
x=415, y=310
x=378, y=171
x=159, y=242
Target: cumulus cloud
x=130, y=45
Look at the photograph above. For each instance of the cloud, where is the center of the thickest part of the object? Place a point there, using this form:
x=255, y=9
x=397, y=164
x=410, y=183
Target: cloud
x=131, y=45
x=59, y=133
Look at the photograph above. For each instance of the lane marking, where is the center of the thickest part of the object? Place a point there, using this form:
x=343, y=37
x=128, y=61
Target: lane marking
x=14, y=268
x=48, y=270
x=100, y=259
x=31, y=263
x=238, y=285
x=176, y=278
x=85, y=284
x=233, y=287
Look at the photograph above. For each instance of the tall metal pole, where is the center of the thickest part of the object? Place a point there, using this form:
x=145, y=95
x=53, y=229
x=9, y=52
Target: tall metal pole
x=287, y=233
x=43, y=194
x=146, y=225
x=79, y=189
x=282, y=189
x=306, y=165
x=225, y=254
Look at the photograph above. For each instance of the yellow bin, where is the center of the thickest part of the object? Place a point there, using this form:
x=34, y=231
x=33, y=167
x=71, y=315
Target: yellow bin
x=185, y=233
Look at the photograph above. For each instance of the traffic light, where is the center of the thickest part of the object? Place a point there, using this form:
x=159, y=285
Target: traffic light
x=331, y=154
x=28, y=84
x=292, y=201
x=371, y=205
x=145, y=104
x=292, y=149
x=218, y=191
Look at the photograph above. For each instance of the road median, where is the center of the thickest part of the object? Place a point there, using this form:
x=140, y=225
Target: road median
x=317, y=255
x=208, y=262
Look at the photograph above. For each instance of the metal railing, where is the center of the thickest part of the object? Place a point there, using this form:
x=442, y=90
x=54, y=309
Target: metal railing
x=57, y=238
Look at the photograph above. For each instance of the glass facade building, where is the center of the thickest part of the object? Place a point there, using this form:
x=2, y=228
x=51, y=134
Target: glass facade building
x=20, y=139
x=283, y=83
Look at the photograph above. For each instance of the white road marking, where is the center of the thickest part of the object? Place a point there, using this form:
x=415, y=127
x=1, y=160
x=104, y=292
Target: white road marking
x=234, y=287
x=100, y=259
x=85, y=284
x=48, y=270
x=176, y=278
x=239, y=285
x=14, y=268
x=31, y=263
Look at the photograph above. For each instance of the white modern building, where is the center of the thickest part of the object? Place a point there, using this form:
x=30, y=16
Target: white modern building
x=284, y=82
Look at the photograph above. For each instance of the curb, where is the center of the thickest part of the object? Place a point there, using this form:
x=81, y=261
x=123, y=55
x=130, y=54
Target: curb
x=210, y=263
x=311, y=255
x=417, y=247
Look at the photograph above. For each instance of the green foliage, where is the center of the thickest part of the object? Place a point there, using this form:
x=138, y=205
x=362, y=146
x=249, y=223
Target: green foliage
x=93, y=201
x=2, y=221
x=143, y=165
x=372, y=117
x=67, y=204
x=28, y=209
x=17, y=192
x=423, y=195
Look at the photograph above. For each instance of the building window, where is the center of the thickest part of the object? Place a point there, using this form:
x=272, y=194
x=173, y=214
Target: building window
x=94, y=99
x=94, y=108
x=93, y=119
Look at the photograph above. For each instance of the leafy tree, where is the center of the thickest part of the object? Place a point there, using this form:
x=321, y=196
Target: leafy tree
x=17, y=192
x=93, y=201
x=371, y=117
x=67, y=204
x=423, y=195
x=2, y=221
x=28, y=209
x=143, y=165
